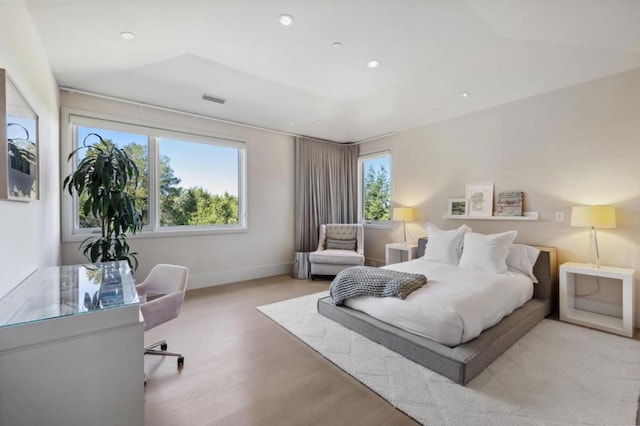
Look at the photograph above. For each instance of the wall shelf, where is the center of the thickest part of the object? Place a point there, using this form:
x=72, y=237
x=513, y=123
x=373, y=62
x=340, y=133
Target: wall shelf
x=528, y=216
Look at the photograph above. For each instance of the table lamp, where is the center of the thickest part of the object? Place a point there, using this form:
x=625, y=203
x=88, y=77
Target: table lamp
x=594, y=217
x=404, y=214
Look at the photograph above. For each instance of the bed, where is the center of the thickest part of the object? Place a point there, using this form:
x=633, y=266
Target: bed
x=458, y=362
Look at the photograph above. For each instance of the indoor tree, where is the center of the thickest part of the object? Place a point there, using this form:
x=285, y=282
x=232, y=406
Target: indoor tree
x=106, y=180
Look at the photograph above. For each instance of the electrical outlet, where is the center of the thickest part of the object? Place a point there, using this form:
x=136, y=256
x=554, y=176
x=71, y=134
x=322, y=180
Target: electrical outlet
x=559, y=216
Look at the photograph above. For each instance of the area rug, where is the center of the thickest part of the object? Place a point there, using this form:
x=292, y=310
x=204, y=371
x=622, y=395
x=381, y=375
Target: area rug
x=556, y=374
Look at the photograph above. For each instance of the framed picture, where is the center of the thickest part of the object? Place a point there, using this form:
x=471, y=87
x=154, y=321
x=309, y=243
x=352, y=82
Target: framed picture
x=510, y=203
x=19, y=131
x=480, y=199
x=457, y=207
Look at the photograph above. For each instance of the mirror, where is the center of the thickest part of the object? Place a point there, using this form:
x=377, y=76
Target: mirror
x=19, y=160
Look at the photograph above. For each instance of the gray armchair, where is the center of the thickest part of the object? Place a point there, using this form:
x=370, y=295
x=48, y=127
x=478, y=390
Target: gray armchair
x=161, y=296
x=340, y=246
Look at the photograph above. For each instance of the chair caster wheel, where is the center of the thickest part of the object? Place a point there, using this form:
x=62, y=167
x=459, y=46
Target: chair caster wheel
x=163, y=347
x=180, y=362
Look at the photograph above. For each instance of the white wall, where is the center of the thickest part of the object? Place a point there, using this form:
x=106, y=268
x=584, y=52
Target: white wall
x=30, y=232
x=266, y=250
x=579, y=145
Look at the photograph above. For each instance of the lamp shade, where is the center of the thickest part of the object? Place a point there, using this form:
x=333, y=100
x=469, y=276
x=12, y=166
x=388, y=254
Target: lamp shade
x=596, y=216
x=403, y=213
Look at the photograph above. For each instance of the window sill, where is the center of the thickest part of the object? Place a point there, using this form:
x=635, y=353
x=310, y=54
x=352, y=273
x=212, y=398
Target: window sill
x=386, y=225
x=165, y=233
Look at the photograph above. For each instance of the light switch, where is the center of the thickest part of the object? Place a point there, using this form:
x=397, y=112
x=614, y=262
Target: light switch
x=559, y=216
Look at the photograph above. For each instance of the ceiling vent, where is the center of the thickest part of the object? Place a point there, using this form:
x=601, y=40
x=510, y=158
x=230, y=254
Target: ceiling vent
x=212, y=98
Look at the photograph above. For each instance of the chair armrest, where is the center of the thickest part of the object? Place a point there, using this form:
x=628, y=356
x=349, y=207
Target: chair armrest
x=322, y=237
x=360, y=240
x=142, y=288
x=162, y=309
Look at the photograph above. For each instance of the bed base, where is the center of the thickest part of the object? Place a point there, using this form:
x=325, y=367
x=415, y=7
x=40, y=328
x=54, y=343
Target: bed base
x=463, y=362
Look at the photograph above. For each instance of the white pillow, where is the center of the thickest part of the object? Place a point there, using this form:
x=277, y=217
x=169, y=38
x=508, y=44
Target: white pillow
x=522, y=258
x=487, y=253
x=444, y=246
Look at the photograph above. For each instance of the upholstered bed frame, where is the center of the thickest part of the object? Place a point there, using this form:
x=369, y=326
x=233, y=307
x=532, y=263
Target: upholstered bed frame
x=465, y=361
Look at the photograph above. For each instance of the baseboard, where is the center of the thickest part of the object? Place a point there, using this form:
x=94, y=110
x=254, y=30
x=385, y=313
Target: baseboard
x=236, y=275
x=369, y=261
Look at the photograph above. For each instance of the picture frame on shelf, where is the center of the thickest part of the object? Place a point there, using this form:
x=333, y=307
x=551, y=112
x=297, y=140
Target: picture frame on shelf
x=510, y=203
x=19, y=156
x=457, y=207
x=479, y=197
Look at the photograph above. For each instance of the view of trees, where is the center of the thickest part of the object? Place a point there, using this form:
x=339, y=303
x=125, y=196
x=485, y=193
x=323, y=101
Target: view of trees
x=178, y=205
x=377, y=194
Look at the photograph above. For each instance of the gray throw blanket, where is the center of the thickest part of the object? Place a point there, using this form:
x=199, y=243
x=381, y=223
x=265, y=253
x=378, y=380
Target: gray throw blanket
x=371, y=281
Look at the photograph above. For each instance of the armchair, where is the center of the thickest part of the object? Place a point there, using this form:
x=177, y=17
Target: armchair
x=340, y=246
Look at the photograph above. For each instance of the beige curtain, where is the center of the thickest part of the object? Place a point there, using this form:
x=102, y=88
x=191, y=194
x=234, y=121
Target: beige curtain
x=326, y=188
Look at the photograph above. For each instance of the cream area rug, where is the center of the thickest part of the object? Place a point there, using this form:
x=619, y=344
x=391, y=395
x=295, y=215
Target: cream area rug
x=557, y=374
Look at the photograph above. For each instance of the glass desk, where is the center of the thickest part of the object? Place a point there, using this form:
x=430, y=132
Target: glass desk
x=72, y=348
x=69, y=290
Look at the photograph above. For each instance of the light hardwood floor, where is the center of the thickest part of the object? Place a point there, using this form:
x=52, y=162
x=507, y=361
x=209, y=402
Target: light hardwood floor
x=241, y=368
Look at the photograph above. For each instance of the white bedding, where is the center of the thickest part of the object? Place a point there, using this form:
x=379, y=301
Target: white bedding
x=455, y=305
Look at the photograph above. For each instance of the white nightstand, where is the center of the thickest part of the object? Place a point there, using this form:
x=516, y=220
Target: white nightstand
x=569, y=313
x=394, y=252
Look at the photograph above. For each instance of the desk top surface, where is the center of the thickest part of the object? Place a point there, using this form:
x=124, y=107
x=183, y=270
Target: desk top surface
x=69, y=290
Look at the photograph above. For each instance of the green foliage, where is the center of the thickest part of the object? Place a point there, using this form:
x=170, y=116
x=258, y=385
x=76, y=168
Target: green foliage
x=138, y=154
x=106, y=180
x=377, y=194
x=198, y=207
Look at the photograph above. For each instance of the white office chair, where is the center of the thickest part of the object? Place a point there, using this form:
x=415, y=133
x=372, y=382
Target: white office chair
x=161, y=296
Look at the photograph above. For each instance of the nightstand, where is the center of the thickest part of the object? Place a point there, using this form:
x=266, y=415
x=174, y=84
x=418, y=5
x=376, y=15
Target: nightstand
x=569, y=313
x=395, y=252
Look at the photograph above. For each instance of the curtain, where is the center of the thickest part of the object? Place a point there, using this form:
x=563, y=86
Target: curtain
x=326, y=188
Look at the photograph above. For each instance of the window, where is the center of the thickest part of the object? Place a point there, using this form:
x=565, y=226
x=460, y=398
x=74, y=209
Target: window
x=375, y=188
x=205, y=192
x=188, y=183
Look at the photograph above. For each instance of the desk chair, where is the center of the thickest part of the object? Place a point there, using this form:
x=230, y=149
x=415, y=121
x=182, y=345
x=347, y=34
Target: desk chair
x=161, y=296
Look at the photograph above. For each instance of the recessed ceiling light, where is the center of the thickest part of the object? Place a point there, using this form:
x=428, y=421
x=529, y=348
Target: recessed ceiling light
x=291, y=124
x=286, y=20
x=464, y=94
x=318, y=121
x=374, y=63
x=126, y=35
x=337, y=44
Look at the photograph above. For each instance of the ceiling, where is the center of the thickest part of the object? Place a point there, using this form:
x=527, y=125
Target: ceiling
x=293, y=79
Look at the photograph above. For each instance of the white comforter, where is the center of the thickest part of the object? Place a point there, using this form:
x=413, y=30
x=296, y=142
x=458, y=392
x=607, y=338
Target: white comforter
x=455, y=305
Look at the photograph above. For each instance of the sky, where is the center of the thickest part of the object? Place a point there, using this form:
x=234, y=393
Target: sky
x=375, y=163
x=212, y=167
x=18, y=132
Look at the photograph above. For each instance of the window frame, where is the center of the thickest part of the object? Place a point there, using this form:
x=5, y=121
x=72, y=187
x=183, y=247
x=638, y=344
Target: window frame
x=74, y=117
x=362, y=158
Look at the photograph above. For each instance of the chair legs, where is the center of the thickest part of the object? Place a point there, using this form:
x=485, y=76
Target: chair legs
x=149, y=350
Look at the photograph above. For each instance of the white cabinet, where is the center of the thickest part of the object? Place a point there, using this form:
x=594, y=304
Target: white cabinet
x=400, y=252
x=71, y=348
x=612, y=324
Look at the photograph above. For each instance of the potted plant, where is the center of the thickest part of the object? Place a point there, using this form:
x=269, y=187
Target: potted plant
x=105, y=179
